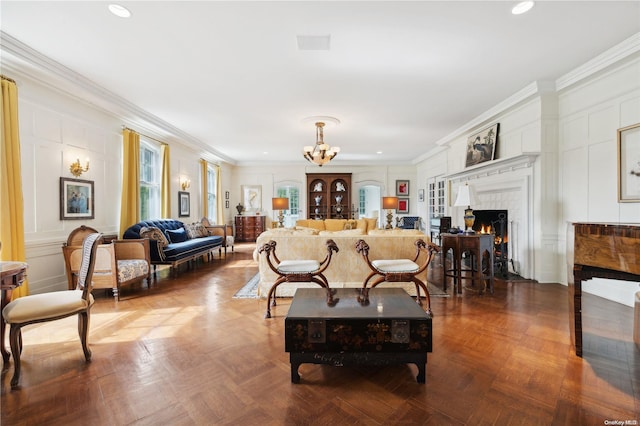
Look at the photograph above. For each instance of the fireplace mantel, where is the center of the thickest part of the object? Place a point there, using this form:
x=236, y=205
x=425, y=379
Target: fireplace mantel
x=494, y=167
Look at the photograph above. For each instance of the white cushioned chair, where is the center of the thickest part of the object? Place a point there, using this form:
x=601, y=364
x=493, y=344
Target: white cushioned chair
x=54, y=306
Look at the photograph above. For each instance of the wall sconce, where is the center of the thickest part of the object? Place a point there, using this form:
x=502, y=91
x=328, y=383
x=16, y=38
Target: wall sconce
x=76, y=169
x=185, y=183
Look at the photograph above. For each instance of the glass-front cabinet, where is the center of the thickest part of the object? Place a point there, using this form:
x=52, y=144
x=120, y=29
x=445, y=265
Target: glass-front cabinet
x=329, y=196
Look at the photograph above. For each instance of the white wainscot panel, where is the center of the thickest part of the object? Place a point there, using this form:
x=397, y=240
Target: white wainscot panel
x=600, y=124
x=603, y=183
x=573, y=133
x=74, y=134
x=47, y=190
x=630, y=112
x=574, y=188
x=47, y=125
x=46, y=267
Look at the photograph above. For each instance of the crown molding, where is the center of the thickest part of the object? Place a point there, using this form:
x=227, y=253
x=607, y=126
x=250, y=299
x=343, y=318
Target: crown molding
x=23, y=59
x=613, y=55
x=617, y=53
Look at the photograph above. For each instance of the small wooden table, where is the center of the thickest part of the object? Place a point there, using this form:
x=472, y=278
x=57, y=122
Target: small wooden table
x=12, y=275
x=476, y=244
x=390, y=329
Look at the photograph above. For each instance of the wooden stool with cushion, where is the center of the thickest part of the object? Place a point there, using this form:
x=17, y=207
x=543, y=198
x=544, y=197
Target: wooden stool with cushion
x=297, y=271
x=398, y=270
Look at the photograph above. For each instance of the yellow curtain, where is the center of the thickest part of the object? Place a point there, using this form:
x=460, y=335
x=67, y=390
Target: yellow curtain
x=219, y=206
x=165, y=184
x=130, y=207
x=204, y=186
x=11, y=202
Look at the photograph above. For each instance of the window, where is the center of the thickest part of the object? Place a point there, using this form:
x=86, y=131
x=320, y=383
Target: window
x=293, y=194
x=149, y=180
x=212, y=184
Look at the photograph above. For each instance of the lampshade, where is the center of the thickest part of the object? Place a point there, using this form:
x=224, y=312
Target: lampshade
x=280, y=203
x=390, y=203
x=466, y=196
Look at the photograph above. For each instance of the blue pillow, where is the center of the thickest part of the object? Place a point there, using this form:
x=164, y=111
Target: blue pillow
x=176, y=235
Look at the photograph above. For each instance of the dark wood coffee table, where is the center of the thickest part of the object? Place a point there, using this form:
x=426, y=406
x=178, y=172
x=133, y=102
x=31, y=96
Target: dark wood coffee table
x=390, y=329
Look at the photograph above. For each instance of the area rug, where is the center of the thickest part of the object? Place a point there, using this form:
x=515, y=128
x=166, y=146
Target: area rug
x=250, y=290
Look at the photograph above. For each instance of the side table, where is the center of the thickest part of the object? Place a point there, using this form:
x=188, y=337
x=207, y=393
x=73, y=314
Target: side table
x=478, y=245
x=12, y=275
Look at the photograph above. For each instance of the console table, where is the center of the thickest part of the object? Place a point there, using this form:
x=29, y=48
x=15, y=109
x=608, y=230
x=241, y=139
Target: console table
x=478, y=245
x=12, y=275
x=602, y=250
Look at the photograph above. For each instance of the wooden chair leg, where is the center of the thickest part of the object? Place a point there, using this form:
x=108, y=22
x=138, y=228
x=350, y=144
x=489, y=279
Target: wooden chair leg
x=83, y=332
x=15, y=340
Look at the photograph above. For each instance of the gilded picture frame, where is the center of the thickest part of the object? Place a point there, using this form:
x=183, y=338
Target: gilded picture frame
x=629, y=164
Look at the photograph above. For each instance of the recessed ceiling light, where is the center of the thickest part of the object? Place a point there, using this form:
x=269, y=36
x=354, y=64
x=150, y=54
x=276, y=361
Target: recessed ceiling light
x=120, y=11
x=378, y=152
x=522, y=7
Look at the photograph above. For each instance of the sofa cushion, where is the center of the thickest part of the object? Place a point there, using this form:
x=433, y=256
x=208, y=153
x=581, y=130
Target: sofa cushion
x=176, y=235
x=342, y=232
x=132, y=268
x=316, y=224
x=188, y=248
x=350, y=224
x=334, y=224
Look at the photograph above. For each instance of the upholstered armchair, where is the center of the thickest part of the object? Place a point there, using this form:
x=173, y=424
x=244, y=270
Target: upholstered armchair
x=120, y=263
x=224, y=231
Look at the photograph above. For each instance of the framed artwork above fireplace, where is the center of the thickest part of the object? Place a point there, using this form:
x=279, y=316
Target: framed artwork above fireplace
x=481, y=146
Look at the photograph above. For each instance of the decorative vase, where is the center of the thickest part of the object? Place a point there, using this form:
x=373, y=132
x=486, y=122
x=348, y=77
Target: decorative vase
x=240, y=208
x=318, y=198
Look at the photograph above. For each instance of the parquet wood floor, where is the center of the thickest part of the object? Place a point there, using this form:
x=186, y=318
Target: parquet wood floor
x=184, y=352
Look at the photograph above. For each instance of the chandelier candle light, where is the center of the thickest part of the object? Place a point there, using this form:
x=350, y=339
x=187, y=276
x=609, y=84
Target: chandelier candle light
x=281, y=204
x=389, y=203
x=321, y=153
x=466, y=197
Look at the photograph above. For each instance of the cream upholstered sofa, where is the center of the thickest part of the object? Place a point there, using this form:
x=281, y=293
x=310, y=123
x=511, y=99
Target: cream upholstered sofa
x=347, y=268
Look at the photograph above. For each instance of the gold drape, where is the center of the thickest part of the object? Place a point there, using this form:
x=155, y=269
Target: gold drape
x=204, y=188
x=11, y=202
x=219, y=206
x=130, y=207
x=165, y=183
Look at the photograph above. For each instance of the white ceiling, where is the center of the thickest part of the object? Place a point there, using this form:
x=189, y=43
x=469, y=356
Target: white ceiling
x=400, y=76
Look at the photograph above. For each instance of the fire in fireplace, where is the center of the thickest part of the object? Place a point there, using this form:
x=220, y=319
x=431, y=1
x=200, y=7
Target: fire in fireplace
x=495, y=222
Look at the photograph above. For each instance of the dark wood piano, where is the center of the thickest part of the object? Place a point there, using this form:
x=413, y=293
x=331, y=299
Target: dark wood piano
x=602, y=250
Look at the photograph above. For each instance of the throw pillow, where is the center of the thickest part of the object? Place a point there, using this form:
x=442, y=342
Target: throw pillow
x=350, y=224
x=196, y=230
x=154, y=233
x=177, y=235
x=334, y=224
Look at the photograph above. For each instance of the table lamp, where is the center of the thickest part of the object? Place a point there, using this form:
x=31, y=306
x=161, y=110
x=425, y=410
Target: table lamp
x=389, y=203
x=466, y=198
x=280, y=203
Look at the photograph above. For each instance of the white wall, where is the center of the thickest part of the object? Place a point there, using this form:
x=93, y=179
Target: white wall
x=589, y=115
x=55, y=130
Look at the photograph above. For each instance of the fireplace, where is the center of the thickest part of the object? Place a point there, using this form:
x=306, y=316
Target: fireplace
x=495, y=222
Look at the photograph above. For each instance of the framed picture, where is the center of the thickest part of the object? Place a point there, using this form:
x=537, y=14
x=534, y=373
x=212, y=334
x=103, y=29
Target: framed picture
x=481, y=146
x=252, y=198
x=76, y=199
x=402, y=188
x=629, y=164
x=421, y=195
x=184, y=204
x=226, y=204
x=403, y=206
x=226, y=195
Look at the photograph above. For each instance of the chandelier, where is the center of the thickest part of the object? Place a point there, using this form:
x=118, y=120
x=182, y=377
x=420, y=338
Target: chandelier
x=321, y=153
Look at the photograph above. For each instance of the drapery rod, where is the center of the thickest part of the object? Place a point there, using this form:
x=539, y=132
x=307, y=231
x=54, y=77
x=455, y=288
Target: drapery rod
x=4, y=77
x=142, y=134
